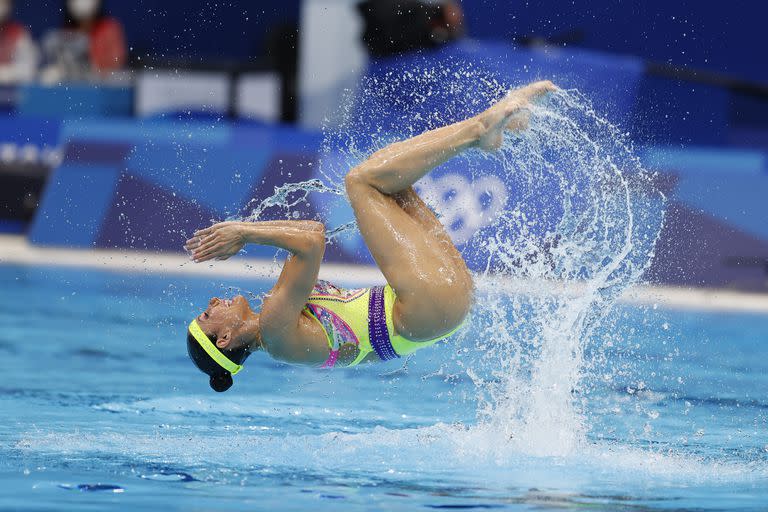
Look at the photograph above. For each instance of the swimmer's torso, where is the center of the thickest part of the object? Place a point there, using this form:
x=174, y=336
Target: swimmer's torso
x=358, y=324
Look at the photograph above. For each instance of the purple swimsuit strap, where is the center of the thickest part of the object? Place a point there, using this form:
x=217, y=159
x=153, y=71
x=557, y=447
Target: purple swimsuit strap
x=377, y=325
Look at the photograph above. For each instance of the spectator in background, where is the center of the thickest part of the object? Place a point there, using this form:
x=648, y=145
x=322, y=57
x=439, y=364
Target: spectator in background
x=18, y=53
x=91, y=45
x=398, y=26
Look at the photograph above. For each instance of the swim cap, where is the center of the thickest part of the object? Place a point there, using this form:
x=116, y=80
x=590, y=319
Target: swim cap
x=211, y=360
x=221, y=382
x=212, y=350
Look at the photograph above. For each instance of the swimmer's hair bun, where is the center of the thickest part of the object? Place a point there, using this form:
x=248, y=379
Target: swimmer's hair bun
x=221, y=382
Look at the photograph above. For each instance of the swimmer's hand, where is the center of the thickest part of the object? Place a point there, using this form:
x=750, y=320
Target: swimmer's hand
x=220, y=241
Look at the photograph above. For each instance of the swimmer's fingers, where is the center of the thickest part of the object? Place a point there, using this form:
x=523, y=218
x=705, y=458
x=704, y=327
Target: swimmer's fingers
x=206, y=255
x=220, y=240
x=203, y=243
x=192, y=244
x=200, y=233
x=207, y=252
x=217, y=248
x=212, y=230
x=210, y=241
x=217, y=253
x=199, y=238
x=198, y=251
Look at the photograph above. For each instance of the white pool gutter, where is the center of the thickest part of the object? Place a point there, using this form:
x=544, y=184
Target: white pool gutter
x=17, y=250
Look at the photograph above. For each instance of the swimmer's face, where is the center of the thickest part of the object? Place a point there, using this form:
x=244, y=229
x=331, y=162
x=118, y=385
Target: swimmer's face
x=226, y=318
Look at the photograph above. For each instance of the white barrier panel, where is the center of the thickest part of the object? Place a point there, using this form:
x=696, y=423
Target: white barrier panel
x=171, y=91
x=331, y=57
x=258, y=96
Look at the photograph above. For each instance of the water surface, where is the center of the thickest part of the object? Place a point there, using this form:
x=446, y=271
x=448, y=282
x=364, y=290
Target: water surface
x=100, y=409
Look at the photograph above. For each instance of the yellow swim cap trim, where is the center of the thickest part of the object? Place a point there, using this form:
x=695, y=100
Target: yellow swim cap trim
x=211, y=349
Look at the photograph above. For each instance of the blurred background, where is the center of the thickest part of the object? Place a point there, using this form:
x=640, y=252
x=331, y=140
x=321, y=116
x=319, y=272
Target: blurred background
x=127, y=124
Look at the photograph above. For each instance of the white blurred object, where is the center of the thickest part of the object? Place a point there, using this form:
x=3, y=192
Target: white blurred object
x=20, y=56
x=82, y=10
x=8, y=153
x=6, y=8
x=29, y=153
x=23, y=66
x=52, y=156
x=258, y=96
x=331, y=57
x=159, y=92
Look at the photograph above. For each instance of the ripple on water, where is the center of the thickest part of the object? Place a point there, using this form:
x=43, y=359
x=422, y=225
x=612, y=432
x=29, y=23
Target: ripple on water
x=93, y=488
x=169, y=476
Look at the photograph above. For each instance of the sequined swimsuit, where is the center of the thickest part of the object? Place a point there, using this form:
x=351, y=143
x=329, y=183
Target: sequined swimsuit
x=358, y=322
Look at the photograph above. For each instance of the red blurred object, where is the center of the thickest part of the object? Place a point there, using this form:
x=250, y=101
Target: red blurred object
x=107, y=45
x=11, y=33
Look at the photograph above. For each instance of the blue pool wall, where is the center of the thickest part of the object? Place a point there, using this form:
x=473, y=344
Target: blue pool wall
x=148, y=183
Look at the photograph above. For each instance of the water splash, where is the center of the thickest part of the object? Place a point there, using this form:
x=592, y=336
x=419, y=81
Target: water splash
x=287, y=196
x=578, y=225
x=603, y=215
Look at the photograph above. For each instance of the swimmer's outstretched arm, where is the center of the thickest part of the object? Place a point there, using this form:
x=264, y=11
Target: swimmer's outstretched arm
x=281, y=313
x=225, y=239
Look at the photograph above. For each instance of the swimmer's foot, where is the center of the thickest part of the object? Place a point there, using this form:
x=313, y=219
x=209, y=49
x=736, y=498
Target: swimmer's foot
x=510, y=113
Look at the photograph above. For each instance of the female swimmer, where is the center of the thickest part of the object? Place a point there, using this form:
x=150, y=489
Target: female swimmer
x=303, y=321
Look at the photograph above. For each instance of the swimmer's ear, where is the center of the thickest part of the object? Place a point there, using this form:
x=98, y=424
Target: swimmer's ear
x=224, y=340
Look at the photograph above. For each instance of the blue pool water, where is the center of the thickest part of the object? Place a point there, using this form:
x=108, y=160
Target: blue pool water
x=100, y=409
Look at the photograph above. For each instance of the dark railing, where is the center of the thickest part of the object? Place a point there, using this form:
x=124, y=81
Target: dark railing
x=748, y=261
x=713, y=78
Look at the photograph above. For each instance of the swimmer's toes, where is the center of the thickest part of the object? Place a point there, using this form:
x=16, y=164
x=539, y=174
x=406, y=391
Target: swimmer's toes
x=545, y=85
x=541, y=88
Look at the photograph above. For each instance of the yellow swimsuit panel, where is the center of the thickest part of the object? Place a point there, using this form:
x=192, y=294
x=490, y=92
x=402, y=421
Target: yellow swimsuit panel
x=358, y=322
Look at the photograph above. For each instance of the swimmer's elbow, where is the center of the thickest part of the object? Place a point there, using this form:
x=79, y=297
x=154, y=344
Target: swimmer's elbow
x=314, y=239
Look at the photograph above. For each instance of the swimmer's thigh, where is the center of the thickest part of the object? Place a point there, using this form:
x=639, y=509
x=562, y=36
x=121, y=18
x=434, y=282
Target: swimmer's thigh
x=432, y=296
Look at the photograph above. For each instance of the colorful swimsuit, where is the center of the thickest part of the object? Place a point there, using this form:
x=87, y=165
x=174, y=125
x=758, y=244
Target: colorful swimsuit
x=358, y=322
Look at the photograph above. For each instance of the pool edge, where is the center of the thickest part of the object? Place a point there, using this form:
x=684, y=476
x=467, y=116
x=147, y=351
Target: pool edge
x=16, y=249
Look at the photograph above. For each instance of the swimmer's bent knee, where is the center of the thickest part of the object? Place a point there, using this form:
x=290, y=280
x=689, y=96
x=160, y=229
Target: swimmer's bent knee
x=367, y=174
x=355, y=178
x=358, y=181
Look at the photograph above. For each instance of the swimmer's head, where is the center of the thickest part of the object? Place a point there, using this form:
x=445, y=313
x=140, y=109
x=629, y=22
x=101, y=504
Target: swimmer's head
x=221, y=338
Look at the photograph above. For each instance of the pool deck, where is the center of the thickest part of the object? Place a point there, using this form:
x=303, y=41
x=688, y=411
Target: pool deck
x=16, y=249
